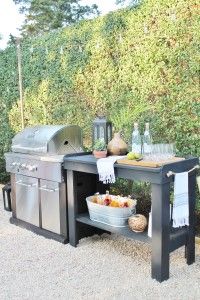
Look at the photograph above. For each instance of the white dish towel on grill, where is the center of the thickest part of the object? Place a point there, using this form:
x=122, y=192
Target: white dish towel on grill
x=105, y=167
x=180, y=213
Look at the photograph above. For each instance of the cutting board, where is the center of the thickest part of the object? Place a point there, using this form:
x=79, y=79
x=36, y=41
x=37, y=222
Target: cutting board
x=145, y=163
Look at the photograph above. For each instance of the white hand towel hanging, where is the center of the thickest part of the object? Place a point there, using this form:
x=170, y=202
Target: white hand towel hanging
x=180, y=214
x=105, y=167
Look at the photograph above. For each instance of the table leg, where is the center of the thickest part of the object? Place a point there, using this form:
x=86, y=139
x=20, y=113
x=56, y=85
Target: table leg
x=190, y=247
x=160, y=231
x=72, y=208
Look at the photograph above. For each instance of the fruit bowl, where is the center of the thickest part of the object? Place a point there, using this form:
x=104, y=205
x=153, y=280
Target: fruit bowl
x=111, y=210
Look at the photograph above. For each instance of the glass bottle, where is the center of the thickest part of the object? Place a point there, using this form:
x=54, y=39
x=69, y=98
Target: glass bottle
x=147, y=141
x=95, y=198
x=136, y=140
x=107, y=194
x=107, y=199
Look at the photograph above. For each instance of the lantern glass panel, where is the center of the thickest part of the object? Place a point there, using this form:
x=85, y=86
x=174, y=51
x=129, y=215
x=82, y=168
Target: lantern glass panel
x=95, y=133
x=101, y=133
x=109, y=132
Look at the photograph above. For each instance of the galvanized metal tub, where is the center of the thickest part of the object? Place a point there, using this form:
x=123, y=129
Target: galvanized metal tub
x=113, y=216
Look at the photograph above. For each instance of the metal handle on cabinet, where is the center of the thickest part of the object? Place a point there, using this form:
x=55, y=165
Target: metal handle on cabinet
x=44, y=188
x=25, y=184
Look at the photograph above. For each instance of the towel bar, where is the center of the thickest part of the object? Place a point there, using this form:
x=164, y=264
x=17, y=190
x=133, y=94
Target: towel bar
x=170, y=173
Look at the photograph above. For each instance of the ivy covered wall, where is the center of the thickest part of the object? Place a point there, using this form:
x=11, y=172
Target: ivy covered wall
x=140, y=64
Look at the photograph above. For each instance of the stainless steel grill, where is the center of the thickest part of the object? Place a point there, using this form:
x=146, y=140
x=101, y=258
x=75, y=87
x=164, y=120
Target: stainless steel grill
x=48, y=139
x=37, y=181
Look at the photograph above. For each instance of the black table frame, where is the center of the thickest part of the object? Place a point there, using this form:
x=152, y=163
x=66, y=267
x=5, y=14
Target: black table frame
x=164, y=239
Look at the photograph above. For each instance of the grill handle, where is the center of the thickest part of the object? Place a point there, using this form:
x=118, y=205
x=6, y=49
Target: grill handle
x=26, y=184
x=44, y=188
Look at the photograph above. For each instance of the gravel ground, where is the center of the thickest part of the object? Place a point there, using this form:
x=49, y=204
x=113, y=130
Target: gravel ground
x=106, y=267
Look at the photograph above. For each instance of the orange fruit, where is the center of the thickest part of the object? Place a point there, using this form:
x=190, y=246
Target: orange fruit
x=114, y=203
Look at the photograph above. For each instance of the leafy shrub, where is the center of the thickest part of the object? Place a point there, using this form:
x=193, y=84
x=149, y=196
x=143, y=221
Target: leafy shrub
x=131, y=65
x=137, y=190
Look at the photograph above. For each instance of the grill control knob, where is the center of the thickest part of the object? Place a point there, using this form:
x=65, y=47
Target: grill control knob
x=23, y=166
x=31, y=168
x=14, y=164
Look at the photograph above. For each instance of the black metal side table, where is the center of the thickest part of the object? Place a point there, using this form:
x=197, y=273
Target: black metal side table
x=164, y=240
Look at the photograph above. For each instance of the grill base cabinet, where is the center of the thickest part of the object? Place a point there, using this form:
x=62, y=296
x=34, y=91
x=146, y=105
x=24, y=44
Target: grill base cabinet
x=38, y=202
x=40, y=206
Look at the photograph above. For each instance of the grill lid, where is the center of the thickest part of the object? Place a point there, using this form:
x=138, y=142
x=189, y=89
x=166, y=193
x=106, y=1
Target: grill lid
x=48, y=139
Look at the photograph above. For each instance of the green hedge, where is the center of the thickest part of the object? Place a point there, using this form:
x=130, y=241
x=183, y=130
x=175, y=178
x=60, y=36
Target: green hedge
x=8, y=95
x=140, y=64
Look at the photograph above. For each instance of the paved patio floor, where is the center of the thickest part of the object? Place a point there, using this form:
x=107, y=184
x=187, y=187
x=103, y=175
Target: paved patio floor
x=107, y=267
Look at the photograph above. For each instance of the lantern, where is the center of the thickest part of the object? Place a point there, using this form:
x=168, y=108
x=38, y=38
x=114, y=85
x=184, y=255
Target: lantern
x=7, y=197
x=102, y=129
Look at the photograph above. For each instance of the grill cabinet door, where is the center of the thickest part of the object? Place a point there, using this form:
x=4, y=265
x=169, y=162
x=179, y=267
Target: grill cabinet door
x=50, y=208
x=27, y=199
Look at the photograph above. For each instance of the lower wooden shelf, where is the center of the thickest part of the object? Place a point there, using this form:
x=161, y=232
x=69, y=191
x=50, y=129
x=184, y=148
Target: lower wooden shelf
x=125, y=231
x=178, y=237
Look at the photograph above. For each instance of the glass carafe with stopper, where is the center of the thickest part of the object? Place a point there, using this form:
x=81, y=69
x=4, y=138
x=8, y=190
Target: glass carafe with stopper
x=147, y=141
x=136, y=140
